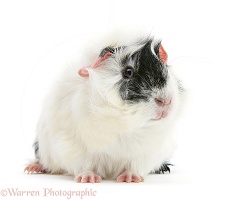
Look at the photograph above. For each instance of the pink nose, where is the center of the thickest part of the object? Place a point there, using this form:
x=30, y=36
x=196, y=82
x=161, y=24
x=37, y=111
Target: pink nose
x=163, y=102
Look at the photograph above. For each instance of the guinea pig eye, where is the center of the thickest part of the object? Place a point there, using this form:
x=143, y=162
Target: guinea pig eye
x=128, y=72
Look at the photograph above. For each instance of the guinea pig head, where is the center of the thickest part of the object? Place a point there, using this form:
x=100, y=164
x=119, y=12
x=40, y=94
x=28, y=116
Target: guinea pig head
x=140, y=76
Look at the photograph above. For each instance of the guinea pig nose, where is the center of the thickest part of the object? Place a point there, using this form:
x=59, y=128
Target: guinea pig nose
x=163, y=102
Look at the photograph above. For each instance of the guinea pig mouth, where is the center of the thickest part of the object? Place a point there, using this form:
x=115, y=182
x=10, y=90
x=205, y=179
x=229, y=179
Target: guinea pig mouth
x=164, y=108
x=162, y=112
x=161, y=115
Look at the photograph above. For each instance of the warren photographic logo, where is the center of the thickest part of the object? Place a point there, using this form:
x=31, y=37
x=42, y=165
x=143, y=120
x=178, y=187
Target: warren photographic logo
x=48, y=192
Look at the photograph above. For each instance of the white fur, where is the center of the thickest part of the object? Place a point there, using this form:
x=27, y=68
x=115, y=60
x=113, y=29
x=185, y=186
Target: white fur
x=86, y=126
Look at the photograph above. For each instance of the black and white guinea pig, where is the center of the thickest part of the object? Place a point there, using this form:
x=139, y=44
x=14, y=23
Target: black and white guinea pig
x=112, y=118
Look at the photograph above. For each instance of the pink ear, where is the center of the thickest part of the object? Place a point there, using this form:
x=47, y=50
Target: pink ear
x=162, y=54
x=84, y=72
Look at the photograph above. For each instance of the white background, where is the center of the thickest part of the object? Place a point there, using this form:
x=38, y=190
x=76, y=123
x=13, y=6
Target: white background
x=35, y=36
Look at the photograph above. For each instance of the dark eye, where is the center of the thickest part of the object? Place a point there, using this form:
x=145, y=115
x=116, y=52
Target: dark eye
x=128, y=72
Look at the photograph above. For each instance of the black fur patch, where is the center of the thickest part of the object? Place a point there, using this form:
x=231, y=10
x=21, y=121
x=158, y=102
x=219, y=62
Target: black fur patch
x=106, y=50
x=150, y=74
x=36, y=149
x=163, y=168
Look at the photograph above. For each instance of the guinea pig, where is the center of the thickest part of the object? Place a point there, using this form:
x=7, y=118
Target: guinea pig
x=113, y=118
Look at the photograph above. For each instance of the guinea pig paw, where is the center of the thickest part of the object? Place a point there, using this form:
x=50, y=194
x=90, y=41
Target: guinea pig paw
x=88, y=177
x=129, y=176
x=34, y=168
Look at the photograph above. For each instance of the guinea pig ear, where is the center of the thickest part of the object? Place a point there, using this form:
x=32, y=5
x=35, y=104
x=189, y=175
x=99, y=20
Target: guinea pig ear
x=162, y=54
x=102, y=57
x=83, y=72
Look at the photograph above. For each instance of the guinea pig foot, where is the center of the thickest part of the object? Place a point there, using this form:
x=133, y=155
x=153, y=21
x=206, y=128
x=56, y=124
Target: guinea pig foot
x=88, y=177
x=163, y=168
x=34, y=168
x=129, y=176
